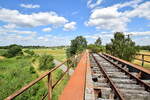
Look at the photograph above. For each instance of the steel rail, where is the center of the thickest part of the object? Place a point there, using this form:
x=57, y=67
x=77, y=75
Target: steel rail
x=23, y=89
x=146, y=86
x=116, y=90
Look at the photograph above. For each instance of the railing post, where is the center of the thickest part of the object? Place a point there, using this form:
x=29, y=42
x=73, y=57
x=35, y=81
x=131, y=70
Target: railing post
x=142, y=60
x=49, y=87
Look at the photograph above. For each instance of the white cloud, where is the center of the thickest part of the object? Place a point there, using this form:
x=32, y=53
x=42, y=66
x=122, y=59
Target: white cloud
x=93, y=5
x=45, y=40
x=142, y=40
x=132, y=3
x=31, y=20
x=48, y=29
x=10, y=26
x=142, y=11
x=138, y=33
x=29, y=6
x=10, y=29
x=69, y=26
x=110, y=18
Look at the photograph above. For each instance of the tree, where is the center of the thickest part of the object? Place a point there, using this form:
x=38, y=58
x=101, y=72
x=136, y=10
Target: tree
x=13, y=50
x=95, y=49
x=98, y=42
x=122, y=47
x=77, y=45
x=46, y=62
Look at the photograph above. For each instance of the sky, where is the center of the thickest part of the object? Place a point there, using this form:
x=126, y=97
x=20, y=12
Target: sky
x=56, y=22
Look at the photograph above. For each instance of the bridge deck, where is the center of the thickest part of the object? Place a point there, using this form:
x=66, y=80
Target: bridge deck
x=76, y=86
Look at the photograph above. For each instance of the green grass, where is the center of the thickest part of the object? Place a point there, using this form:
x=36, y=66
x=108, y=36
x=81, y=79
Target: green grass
x=2, y=51
x=146, y=65
x=55, y=76
x=14, y=74
x=59, y=54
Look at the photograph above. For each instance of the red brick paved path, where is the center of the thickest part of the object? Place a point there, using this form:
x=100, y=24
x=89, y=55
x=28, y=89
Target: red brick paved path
x=74, y=90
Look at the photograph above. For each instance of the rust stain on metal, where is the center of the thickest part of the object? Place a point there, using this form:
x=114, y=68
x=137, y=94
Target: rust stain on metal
x=133, y=65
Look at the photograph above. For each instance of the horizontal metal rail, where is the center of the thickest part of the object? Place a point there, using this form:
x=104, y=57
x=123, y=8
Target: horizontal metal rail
x=140, y=68
x=58, y=81
x=143, y=54
x=117, y=92
x=48, y=73
x=142, y=60
x=146, y=86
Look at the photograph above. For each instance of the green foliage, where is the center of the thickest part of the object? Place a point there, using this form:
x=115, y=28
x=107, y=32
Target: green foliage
x=122, y=47
x=95, y=49
x=32, y=70
x=46, y=62
x=145, y=47
x=60, y=86
x=16, y=73
x=2, y=51
x=98, y=42
x=29, y=52
x=13, y=50
x=77, y=45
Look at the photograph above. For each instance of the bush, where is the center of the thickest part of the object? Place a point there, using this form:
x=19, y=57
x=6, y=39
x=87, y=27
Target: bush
x=29, y=52
x=95, y=49
x=32, y=70
x=46, y=62
x=13, y=50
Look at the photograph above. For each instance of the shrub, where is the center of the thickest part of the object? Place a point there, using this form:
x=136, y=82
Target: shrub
x=13, y=50
x=46, y=62
x=32, y=70
x=95, y=49
x=122, y=47
x=29, y=52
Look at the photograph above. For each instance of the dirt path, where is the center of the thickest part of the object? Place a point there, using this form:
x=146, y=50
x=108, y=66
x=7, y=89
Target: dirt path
x=35, y=65
x=63, y=67
x=1, y=57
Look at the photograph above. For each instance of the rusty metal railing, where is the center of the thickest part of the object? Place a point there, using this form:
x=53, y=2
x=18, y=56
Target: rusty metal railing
x=48, y=74
x=142, y=59
x=139, y=81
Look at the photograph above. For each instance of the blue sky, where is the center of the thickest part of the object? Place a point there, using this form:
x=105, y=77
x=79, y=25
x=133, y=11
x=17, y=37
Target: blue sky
x=56, y=22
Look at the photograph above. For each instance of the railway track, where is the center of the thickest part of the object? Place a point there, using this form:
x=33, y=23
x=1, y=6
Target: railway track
x=113, y=81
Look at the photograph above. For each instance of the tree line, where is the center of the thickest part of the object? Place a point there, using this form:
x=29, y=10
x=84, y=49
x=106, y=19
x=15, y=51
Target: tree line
x=120, y=46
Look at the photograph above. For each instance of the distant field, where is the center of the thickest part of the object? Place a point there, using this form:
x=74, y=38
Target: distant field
x=146, y=65
x=59, y=54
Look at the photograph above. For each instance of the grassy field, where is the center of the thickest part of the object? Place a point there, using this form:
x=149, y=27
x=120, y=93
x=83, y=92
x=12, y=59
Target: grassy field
x=59, y=54
x=16, y=72
x=146, y=65
x=55, y=76
x=2, y=51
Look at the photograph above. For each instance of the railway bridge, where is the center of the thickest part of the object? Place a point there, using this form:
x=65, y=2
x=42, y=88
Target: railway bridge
x=98, y=77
